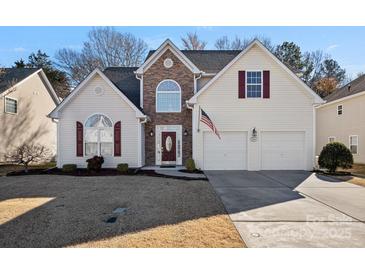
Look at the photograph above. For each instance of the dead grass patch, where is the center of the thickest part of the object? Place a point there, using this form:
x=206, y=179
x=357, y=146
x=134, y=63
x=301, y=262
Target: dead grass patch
x=215, y=231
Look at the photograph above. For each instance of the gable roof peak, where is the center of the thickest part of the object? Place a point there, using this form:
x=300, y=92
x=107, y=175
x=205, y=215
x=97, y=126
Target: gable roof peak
x=160, y=50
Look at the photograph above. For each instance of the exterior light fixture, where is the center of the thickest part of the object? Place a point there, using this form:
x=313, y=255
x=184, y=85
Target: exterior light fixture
x=254, y=132
x=152, y=133
x=186, y=133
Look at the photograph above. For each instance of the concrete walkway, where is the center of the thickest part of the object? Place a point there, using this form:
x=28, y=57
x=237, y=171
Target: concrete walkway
x=292, y=208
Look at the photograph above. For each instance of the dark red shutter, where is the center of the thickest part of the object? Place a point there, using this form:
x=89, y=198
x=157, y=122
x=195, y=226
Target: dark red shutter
x=117, y=139
x=241, y=84
x=79, y=140
x=266, y=88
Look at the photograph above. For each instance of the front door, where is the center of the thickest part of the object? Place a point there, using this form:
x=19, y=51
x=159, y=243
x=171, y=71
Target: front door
x=168, y=147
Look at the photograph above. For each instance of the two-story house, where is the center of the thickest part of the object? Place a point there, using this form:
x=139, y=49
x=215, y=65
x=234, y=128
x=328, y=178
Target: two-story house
x=342, y=119
x=151, y=115
x=26, y=98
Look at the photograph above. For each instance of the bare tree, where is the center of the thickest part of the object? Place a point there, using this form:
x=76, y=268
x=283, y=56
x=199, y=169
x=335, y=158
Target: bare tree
x=237, y=43
x=192, y=42
x=105, y=47
x=222, y=43
x=29, y=153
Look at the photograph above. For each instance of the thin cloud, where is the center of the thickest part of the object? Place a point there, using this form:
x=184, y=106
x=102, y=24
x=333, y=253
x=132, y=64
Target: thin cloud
x=19, y=49
x=332, y=47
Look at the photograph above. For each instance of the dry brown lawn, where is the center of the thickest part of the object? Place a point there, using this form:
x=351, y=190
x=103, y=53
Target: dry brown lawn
x=67, y=211
x=6, y=168
x=356, y=169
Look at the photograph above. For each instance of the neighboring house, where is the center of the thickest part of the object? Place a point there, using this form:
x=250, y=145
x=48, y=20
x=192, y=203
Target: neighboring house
x=150, y=115
x=26, y=98
x=342, y=119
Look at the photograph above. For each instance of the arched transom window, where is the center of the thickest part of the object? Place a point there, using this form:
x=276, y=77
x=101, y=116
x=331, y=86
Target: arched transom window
x=168, y=96
x=98, y=135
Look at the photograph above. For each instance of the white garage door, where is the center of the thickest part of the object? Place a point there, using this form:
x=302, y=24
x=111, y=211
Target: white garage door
x=282, y=150
x=228, y=153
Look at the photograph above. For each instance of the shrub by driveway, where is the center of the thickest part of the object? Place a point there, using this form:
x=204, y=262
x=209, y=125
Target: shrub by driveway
x=60, y=211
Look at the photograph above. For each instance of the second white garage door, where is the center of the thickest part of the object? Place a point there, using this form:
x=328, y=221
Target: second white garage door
x=282, y=150
x=229, y=153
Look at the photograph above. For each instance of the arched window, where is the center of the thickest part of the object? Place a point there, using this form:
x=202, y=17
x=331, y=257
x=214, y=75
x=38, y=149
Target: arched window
x=98, y=135
x=168, y=96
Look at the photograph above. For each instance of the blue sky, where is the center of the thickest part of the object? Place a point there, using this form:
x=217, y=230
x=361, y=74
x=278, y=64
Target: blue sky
x=345, y=44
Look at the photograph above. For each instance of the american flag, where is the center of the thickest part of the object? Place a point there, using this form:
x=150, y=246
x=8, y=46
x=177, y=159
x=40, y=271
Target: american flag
x=206, y=120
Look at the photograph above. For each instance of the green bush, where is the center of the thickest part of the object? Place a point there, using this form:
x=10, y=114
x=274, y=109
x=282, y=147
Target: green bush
x=95, y=163
x=190, y=165
x=335, y=155
x=69, y=168
x=122, y=168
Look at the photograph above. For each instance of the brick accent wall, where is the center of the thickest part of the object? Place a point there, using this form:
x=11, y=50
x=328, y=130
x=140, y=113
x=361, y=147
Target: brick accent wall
x=151, y=78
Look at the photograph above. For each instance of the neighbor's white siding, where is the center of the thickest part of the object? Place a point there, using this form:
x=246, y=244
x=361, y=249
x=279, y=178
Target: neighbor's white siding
x=31, y=123
x=351, y=122
x=83, y=106
x=288, y=109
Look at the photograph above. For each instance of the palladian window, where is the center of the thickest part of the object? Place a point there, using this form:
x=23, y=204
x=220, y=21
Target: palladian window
x=168, y=97
x=98, y=136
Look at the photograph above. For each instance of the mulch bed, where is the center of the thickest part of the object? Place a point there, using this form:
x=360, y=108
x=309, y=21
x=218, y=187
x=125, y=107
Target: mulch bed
x=197, y=171
x=337, y=173
x=102, y=172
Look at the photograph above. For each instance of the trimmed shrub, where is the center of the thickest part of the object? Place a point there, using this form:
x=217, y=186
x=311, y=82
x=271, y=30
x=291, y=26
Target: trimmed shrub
x=122, y=168
x=190, y=165
x=95, y=163
x=335, y=155
x=69, y=168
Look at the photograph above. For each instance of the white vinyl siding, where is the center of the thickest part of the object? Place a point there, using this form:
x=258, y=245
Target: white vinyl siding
x=351, y=122
x=282, y=150
x=227, y=153
x=289, y=108
x=85, y=104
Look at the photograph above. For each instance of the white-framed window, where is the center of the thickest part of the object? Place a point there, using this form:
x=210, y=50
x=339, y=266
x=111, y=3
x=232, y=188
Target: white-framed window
x=11, y=105
x=254, y=84
x=331, y=139
x=339, y=110
x=354, y=144
x=98, y=136
x=168, y=96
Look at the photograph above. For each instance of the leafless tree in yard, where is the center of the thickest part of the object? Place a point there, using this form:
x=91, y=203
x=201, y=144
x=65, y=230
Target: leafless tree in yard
x=237, y=43
x=105, y=47
x=192, y=42
x=26, y=154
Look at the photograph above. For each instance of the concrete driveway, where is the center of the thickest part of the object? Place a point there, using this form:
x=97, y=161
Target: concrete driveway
x=292, y=208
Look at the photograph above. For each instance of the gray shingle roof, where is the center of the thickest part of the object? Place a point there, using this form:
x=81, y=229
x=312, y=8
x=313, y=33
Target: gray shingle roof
x=125, y=80
x=356, y=86
x=11, y=76
x=210, y=61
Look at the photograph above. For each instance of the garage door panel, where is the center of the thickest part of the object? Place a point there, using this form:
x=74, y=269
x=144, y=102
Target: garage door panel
x=282, y=150
x=227, y=153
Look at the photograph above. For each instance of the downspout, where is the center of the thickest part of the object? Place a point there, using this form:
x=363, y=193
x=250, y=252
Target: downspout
x=140, y=78
x=196, y=80
x=315, y=105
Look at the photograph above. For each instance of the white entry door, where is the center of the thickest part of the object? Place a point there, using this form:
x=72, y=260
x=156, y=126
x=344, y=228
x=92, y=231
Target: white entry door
x=283, y=150
x=227, y=153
